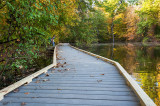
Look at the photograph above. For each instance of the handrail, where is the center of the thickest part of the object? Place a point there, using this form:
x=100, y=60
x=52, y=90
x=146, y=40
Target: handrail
x=28, y=79
x=145, y=100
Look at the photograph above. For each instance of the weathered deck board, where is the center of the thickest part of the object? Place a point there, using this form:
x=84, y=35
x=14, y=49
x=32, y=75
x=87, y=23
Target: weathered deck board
x=75, y=92
x=73, y=101
x=83, y=80
x=76, y=96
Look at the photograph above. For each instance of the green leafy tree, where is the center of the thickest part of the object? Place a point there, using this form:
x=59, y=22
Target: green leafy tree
x=149, y=17
x=27, y=25
x=113, y=8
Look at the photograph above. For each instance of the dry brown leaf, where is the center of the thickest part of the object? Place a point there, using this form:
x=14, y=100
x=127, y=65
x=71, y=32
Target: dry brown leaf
x=16, y=90
x=52, y=69
x=66, y=69
x=23, y=103
x=26, y=93
x=37, y=81
x=59, y=70
x=58, y=65
x=101, y=74
x=59, y=89
x=47, y=75
x=44, y=80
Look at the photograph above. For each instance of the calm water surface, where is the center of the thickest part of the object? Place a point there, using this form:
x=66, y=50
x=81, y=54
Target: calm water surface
x=141, y=61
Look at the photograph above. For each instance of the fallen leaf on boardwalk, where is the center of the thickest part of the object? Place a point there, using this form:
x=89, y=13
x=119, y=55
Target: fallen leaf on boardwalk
x=91, y=76
x=52, y=69
x=23, y=103
x=26, y=93
x=47, y=75
x=58, y=58
x=37, y=81
x=59, y=70
x=101, y=74
x=16, y=90
x=59, y=89
x=99, y=81
x=66, y=69
x=44, y=80
x=65, y=63
x=59, y=65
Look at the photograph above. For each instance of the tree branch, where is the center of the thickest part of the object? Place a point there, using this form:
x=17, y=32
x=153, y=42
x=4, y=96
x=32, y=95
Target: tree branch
x=8, y=41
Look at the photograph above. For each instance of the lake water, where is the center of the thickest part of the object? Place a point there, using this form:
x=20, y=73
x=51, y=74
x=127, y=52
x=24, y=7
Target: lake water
x=141, y=61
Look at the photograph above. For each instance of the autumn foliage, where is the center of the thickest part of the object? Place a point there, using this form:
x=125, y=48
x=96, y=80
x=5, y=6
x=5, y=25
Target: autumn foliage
x=26, y=26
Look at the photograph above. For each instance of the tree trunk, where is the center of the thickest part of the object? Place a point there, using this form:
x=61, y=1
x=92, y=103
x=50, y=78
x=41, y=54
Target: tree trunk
x=112, y=26
x=151, y=31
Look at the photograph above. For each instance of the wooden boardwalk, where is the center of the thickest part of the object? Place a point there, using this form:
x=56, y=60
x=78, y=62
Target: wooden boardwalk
x=79, y=79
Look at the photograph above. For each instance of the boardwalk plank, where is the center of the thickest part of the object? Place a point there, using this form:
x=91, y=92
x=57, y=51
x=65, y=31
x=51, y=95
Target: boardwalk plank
x=77, y=82
x=107, y=80
x=71, y=101
x=75, y=88
x=123, y=93
x=75, y=96
x=39, y=104
x=79, y=85
x=115, y=93
x=86, y=78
